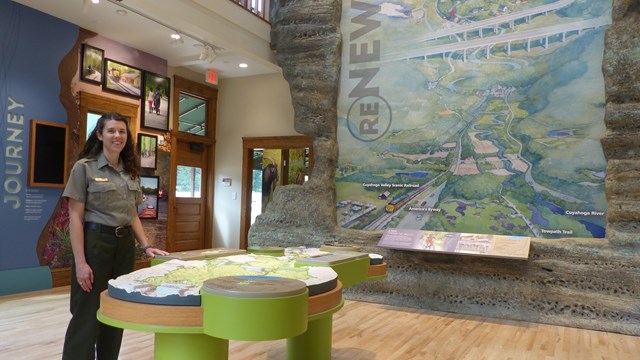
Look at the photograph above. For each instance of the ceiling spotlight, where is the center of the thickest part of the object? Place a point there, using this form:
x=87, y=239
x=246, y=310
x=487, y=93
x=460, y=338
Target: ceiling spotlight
x=176, y=40
x=95, y=1
x=208, y=54
x=243, y=65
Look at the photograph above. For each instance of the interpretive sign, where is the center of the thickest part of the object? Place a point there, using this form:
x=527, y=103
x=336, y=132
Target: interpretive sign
x=516, y=247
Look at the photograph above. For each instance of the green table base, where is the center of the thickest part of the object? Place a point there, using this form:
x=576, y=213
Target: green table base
x=190, y=347
x=352, y=272
x=315, y=343
x=177, y=342
x=266, y=250
x=234, y=310
x=349, y=272
x=190, y=343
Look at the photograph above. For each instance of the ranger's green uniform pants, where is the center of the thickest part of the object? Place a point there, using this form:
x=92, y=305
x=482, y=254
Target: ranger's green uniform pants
x=109, y=256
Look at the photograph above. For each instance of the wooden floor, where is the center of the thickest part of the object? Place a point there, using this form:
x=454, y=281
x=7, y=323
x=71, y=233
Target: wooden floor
x=32, y=326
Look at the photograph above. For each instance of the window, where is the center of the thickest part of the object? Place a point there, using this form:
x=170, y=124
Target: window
x=188, y=182
x=192, y=115
x=92, y=120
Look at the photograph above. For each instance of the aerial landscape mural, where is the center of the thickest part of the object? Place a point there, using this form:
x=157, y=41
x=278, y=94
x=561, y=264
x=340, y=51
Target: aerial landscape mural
x=473, y=116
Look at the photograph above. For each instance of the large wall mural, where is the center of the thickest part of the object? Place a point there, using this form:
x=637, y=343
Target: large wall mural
x=39, y=81
x=29, y=89
x=473, y=116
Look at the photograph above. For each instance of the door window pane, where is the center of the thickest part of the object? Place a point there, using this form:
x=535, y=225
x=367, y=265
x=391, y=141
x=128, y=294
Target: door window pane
x=192, y=115
x=92, y=120
x=256, y=195
x=268, y=165
x=188, y=182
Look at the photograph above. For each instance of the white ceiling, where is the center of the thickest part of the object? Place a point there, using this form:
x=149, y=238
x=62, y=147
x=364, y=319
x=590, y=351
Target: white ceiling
x=147, y=25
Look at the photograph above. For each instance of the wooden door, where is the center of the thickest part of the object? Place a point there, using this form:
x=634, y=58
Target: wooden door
x=192, y=138
x=190, y=218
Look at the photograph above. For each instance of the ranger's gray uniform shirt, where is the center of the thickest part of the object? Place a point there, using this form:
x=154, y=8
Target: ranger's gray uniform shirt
x=110, y=197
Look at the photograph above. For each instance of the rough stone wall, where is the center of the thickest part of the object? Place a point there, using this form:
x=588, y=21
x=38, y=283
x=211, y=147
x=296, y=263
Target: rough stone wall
x=306, y=38
x=586, y=283
x=621, y=143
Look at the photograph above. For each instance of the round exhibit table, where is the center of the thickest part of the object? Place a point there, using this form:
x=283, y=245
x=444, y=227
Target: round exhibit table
x=233, y=308
x=246, y=308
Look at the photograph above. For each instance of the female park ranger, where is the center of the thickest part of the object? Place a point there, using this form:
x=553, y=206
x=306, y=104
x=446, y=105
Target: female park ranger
x=103, y=192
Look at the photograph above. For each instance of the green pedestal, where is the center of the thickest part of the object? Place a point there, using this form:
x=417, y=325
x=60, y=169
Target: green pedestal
x=315, y=343
x=266, y=250
x=177, y=342
x=352, y=268
x=254, y=308
x=190, y=347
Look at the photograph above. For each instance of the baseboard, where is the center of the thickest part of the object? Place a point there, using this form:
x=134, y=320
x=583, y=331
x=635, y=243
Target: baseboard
x=24, y=280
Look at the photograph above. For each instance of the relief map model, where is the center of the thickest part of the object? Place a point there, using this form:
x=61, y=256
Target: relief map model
x=178, y=282
x=473, y=116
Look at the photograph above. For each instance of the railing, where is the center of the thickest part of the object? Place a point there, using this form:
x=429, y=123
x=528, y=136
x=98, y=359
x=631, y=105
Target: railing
x=260, y=8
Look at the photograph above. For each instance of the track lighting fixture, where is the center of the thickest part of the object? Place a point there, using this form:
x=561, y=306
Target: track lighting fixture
x=208, y=54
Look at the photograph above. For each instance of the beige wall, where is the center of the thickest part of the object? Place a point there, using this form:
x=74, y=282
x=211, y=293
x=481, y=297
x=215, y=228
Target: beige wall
x=247, y=107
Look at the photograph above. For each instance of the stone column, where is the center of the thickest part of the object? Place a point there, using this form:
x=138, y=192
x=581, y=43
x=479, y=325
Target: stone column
x=621, y=143
x=306, y=38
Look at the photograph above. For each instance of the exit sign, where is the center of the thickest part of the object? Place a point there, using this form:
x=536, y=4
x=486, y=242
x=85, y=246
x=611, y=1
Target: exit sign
x=212, y=77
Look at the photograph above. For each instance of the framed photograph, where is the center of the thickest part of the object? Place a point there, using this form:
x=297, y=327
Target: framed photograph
x=121, y=78
x=149, y=207
x=48, y=154
x=155, y=101
x=147, y=148
x=91, y=64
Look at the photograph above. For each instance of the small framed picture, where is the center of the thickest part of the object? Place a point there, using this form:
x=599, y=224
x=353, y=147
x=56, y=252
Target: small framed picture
x=121, y=78
x=155, y=102
x=147, y=148
x=91, y=64
x=48, y=154
x=149, y=207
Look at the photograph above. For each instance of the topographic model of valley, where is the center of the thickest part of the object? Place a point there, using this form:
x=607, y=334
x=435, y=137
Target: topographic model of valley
x=473, y=116
x=178, y=282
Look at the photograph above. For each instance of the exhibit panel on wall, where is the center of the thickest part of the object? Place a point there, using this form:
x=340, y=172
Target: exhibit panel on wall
x=473, y=118
x=33, y=157
x=40, y=131
x=502, y=246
